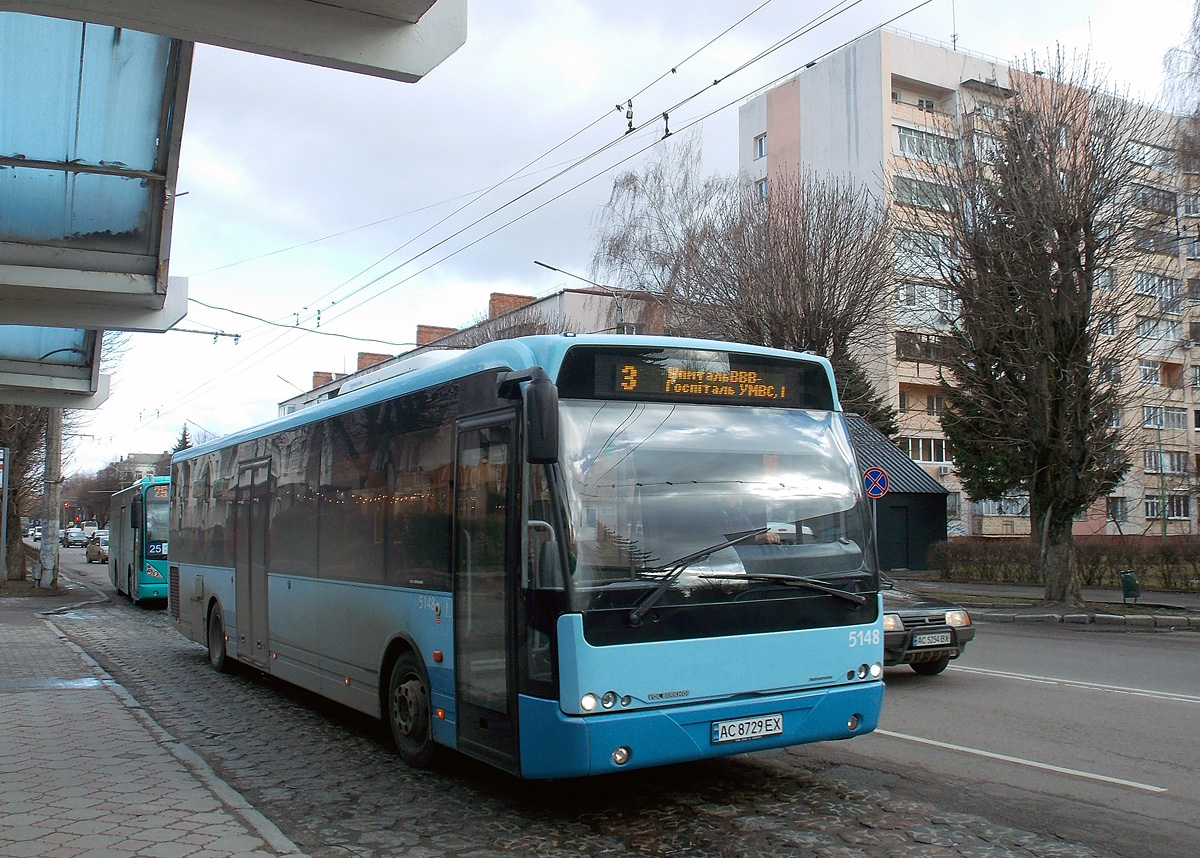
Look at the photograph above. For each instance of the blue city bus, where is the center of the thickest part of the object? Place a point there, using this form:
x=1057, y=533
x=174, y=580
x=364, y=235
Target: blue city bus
x=137, y=539
x=562, y=555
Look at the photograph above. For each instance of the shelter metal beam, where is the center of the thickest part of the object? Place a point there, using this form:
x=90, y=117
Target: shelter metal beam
x=396, y=39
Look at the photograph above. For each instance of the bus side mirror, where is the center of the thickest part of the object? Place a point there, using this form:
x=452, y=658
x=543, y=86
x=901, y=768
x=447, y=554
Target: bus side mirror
x=540, y=398
x=135, y=513
x=541, y=421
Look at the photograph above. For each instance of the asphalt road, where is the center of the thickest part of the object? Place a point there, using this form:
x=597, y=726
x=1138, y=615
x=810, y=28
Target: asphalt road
x=1087, y=734
x=1041, y=741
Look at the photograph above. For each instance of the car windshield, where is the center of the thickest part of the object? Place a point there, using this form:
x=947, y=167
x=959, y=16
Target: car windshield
x=649, y=485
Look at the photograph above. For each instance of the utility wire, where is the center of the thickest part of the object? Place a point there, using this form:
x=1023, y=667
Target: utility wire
x=516, y=173
x=827, y=16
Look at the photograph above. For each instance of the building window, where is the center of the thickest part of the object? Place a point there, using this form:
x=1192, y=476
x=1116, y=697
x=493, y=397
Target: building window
x=906, y=294
x=1115, y=419
x=927, y=104
x=935, y=403
x=1152, y=416
x=1149, y=372
x=1165, y=462
x=1174, y=418
x=1155, y=241
x=1011, y=503
x=954, y=505
x=1150, y=155
x=918, y=254
x=935, y=450
x=1191, y=204
x=1156, y=285
x=1110, y=372
x=916, y=192
x=760, y=146
x=923, y=146
x=1107, y=324
x=923, y=348
x=1154, y=199
x=1193, y=249
x=761, y=187
x=1177, y=506
x=1118, y=508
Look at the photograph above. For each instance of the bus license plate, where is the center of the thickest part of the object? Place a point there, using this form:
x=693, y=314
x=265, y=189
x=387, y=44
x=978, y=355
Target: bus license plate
x=747, y=728
x=932, y=639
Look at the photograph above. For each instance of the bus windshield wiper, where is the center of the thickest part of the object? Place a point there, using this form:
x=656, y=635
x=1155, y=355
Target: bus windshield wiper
x=677, y=567
x=795, y=581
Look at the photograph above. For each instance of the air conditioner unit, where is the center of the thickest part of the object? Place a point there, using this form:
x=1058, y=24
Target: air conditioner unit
x=944, y=470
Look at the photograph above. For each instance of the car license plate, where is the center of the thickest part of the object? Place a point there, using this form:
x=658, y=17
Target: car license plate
x=747, y=728
x=932, y=639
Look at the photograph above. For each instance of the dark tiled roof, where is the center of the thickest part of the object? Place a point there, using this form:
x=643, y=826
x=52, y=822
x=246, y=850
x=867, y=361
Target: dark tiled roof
x=874, y=450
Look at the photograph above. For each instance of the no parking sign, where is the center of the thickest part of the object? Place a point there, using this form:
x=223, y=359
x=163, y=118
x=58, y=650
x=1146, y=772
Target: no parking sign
x=875, y=481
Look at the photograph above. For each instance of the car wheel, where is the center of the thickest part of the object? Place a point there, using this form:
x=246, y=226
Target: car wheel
x=216, y=641
x=931, y=668
x=409, y=712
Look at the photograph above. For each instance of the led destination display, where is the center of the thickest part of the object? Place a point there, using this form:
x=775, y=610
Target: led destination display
x=692, y=375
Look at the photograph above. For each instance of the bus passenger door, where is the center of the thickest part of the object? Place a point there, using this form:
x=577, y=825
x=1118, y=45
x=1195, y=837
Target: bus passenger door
x=484, y=576
x=250, y=558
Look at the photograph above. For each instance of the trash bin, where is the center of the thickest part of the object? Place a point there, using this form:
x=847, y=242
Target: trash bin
x=1129, y=586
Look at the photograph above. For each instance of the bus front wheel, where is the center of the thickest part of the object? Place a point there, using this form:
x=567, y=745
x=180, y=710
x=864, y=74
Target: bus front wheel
x=216, y=640
x=409, y=712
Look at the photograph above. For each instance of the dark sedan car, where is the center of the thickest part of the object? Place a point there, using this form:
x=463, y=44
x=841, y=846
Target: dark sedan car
x=921, y=631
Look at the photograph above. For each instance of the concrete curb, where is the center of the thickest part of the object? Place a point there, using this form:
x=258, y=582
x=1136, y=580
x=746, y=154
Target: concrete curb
x=1133, y=621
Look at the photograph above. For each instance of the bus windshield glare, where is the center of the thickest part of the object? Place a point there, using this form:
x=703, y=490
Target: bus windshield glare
x=652, y=482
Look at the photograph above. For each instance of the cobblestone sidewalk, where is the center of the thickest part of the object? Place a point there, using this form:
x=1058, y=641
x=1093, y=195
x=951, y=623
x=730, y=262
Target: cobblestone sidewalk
x=85, y=772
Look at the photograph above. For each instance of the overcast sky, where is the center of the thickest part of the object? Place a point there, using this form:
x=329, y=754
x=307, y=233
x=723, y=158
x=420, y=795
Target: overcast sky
x=311, y=190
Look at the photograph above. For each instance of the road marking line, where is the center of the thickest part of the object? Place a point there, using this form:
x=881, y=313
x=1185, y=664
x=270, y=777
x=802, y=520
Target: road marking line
x=1074, y=683
x=1021, y=762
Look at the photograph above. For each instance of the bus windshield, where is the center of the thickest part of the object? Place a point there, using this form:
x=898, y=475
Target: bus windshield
x=651, y=484
x=158, y=517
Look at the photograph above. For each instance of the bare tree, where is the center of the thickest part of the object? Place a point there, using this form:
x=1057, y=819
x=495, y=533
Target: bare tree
x=806, y=267
x=1182, y=67
x=1038, y=221
x=522, y=322
x=23, y=432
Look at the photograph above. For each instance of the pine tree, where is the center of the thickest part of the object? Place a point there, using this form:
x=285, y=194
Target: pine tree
x=184, y=442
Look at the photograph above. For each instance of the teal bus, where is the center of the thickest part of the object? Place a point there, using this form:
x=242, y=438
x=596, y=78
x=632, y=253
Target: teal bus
x=137, y=539
x=562, y=555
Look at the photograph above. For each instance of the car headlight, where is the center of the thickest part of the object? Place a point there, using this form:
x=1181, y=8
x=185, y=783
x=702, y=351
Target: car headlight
x=892, y=623
x=957, y=618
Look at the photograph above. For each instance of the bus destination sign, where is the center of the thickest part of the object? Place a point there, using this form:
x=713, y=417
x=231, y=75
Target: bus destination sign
x=679, y=381
x=694, y=375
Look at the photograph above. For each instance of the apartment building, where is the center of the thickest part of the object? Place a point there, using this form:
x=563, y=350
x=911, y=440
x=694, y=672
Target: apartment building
x=887, y=110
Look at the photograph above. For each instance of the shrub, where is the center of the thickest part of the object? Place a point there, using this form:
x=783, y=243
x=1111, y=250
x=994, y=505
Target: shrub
x=1166, y=564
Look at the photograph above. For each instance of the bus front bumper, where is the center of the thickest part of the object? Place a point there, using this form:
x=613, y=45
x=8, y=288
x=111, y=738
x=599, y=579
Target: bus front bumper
x=555, y=745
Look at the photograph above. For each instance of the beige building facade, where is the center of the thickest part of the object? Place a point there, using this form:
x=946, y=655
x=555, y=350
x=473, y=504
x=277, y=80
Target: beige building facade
x=888, y=110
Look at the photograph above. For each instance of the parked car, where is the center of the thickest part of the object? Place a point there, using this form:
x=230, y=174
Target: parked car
x=97, y=547
x=37, y=534
x=74, y=537
x=922, y=631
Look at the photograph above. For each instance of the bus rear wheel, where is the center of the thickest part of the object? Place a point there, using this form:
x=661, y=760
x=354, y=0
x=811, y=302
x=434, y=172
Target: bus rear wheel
x=409, y=712
x=216, y=640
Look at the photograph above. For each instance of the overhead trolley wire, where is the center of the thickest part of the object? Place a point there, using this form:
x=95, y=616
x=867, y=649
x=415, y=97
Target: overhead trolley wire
x=821, y=19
